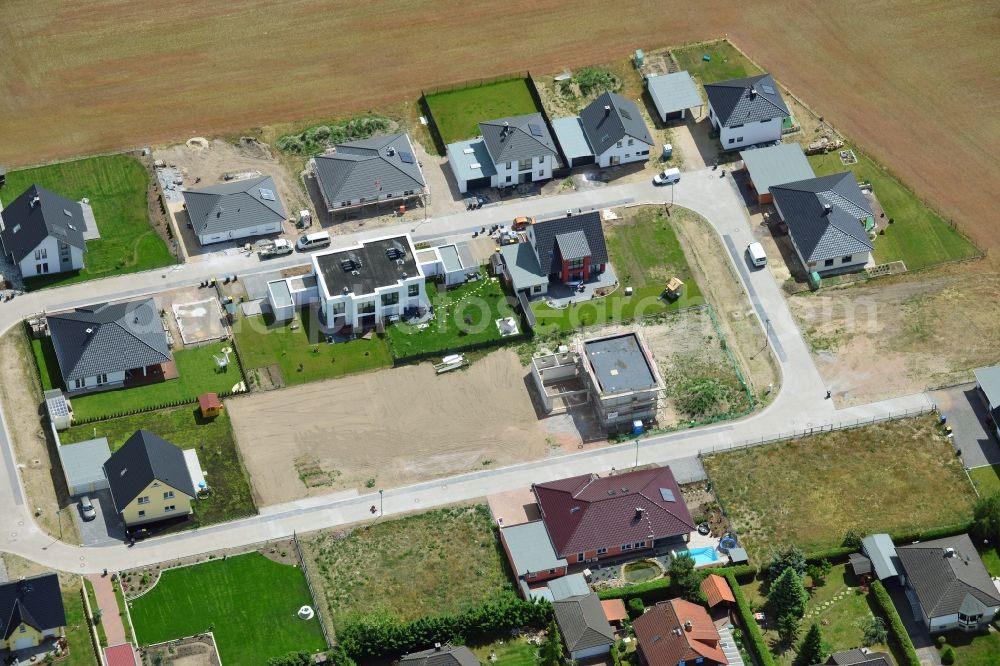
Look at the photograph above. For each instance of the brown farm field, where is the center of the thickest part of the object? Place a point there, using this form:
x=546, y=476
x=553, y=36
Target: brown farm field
x=913, y=80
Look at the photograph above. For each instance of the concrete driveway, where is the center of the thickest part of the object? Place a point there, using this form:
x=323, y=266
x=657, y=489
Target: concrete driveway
x=967, y=417
x=106, y=528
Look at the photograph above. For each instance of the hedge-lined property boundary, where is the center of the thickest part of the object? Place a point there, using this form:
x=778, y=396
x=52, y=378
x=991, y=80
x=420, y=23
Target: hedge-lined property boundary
x=896, y=628
x=756, y=643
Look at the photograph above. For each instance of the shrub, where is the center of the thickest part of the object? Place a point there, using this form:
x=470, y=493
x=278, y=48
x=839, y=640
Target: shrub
x=896, y=628
x=595, y=79
x=635, y=607
x=948, y=655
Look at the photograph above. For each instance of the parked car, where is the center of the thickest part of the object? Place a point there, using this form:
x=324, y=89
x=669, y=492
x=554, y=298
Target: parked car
x=276, y=248
x=667, y=177
x=87, y=508
x=313, y=241
x=522, y=223
x=756, y=253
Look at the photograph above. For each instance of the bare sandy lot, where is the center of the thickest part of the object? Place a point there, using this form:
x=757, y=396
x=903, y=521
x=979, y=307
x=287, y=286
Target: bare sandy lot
x=391, y=428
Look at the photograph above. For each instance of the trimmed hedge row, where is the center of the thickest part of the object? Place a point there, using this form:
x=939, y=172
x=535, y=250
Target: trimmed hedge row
x=756, y=644
x=659, y=590
x=142, y=410
x=896, y=628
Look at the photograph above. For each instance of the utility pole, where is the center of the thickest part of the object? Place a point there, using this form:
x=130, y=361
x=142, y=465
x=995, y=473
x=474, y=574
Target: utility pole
x=636, y=453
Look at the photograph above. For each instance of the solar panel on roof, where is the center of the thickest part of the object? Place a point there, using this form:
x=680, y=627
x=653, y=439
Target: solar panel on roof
x=667, y=494
x=769, y=89
x=406, y=156
x=266, y=194
x=468, y=151
x=536, y=130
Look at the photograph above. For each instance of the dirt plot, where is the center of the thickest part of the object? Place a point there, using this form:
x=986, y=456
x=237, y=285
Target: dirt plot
x=902, y=334
x=390, y=428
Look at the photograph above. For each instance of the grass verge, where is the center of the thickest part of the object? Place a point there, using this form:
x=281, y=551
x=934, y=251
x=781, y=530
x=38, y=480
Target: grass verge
x=248, y=601
x=231, y=496
x=434, y=563
x=781, y=494
x=116, y=186
x=986, y=479
x=457, y=113
x=513, y=652
x=81, y=644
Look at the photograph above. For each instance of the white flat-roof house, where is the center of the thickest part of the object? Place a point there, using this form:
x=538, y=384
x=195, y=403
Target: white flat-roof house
x=376, y=280
x=746, y=111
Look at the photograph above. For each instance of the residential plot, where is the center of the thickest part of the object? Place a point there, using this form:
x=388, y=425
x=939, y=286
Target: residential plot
x=809, y=492
x=457, y=113
x=724, y=62
x=248, y=601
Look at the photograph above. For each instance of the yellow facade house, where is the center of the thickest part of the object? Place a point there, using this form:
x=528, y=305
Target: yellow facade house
x=149, y=480
x=31, y=612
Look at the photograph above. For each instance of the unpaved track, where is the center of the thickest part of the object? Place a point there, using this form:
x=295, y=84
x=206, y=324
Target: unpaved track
x=914, y=80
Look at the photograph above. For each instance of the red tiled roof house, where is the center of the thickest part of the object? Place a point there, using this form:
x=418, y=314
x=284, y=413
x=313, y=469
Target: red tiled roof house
x=678, y=632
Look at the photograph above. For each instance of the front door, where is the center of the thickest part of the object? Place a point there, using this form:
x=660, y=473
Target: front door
x=615, y=160
x=524, y=177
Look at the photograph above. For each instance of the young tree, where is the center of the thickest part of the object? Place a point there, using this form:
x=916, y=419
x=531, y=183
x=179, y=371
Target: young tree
x=791, y=557
x=788, y=629
x=818, y=572
x=874, y=631
x=551, y=651
x=685, y=581
x=811, y=648
x=340, y=657
x=852, y=539
x=986, y=520
x=788, y=595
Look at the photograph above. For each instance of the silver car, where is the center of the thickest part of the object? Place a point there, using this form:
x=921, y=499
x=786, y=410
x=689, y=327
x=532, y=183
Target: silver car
x=87, y=508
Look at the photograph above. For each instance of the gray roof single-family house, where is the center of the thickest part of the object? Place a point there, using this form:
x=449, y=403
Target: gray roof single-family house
x=239, y=209
x=517, y=138
x=615, y=130
x=584, y=626
x=146, y=458
x=673, y=94
x=31, y=603
x=441, y=655
x=746, y=111
x=949, y=583
x=580, y=235
x=858, y=657
x=775, y=165
x=381, y=168
x=826, y=219
x=41, y=221
x=109, y=341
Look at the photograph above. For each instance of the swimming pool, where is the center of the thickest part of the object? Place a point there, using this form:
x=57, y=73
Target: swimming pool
x=702, y=556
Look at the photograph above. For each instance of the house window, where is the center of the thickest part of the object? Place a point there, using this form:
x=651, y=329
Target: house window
x=552, y=571
x=22, y=629
x=626, y=546
x=640, y=544
x=368, y=307
x=79, y=383
x=142, y=513
x=413, y=290
x=828, y=262
x=508, y=166
x=41, y=254
x=579, y=557
x=168, y=509
x=541, y=160
x=732, y=141
x=643, y=152
x=144, y=499
x=740, y=139
x=575, y=263
x=541, y=174
x=508, y=179
x=531, y=574
x=847, y=259
x=102, y=379
x=338, y=308
x=537, y=289
x=392, y=298
x=345, y=203
x=631, y=142
x=168, y=495
x=602, y=551
x=619, y=144
x=408, y=193
x=524, y=165
x=42, y=268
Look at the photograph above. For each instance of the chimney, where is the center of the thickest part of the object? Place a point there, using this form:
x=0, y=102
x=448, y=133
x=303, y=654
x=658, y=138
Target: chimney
x=35, y=201
x=638, y=511
x=607, y=109
x=949, y=552
x=437, y=647
x=569, y=213
x=688, y=626
x=391, y=151
x=753, y=92
x=89, y=331
x=827, y=209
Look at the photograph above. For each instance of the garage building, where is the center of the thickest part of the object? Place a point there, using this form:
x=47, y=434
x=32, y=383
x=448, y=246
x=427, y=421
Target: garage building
x=673, y=94
x=83, y=465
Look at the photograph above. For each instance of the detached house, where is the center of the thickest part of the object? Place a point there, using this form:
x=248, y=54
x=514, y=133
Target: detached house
x=746, y=111
x=235, y=210
x=510, y=151
x=584, y=627
x=827, y=219
x=678, y=632
x=31, y=611
x=149, y=480
x=441, y=655
x=107, y=346
x=42, y=232
x=382, y=168
x=615, y=130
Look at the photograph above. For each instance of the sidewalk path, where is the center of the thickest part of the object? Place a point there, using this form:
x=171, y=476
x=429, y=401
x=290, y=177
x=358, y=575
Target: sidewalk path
x=114, y=626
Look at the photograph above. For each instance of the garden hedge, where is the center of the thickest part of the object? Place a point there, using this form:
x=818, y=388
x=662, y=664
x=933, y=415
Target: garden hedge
x=896, y=628
x=659, y=590
x=756, y=644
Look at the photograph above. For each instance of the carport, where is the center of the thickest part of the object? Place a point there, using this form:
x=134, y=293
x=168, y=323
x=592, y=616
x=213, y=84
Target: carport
x=572, y=141
x=673, y=94
x=83, y=465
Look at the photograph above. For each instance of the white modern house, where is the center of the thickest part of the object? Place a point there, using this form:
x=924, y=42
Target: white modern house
x=42, y=232
x=746, y=111
x=373, y=281
x=510, y=151
x=615, y=130
x=240, y=209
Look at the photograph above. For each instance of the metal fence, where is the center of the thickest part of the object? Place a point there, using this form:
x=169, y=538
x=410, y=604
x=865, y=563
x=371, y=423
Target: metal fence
x=312, y=591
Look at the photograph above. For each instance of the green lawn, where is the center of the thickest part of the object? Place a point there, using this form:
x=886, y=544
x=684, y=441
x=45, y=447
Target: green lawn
x=231, y=498
x=248, y=601
x=198, y=373
x=92, y=598
x=463, y=315
x=48, y=364
x=457, y=113
x=991, y=558
x=645, y=254
x=726, y=62
x=433, y=563
x=512, y=652
x=975, y=649
x=120, y=599
x=919, y=237
x=837, y=607
x=81, y=645
x=116, y=186
x=987, y=479
x=779, y=495
x=299, y=353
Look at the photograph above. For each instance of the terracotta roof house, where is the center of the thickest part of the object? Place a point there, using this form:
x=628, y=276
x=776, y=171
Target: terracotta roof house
x=717, y=590
x=584, y=627
x=858, y=657
x=678, y=632
x=31, y=610
x=441, y=655
x=590, y=517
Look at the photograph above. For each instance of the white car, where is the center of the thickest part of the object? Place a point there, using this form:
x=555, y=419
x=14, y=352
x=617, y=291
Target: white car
x=757, y=256
x=87, y=508
x=667, y=177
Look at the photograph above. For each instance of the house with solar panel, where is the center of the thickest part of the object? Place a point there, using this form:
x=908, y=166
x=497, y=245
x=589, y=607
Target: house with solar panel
x=369, y=171
x=240, y=209
x=509, y=151
x=43, y=232
x=746, y=111
x=608, y=132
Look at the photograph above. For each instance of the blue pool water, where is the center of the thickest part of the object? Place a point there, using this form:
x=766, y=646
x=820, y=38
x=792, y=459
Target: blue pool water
x=701, y=556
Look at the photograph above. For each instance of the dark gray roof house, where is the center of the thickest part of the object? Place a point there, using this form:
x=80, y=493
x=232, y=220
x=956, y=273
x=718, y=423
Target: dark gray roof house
x=517, y=138
x=236, y=208
x=441, y=655
x=580, y=235
x=611, y=118
x=858, y=657
x=948, y=578
x=375, y=169
x=142, y=459
x=740, y=101
x=38, y=214
x=825, y=216
x=108, y=338
x=36, y=602
x=584, y=625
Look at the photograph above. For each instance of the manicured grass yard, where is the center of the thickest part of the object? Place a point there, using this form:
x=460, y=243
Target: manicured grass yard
x=81, y=645
x=248, y=601
x=838, y=621
x=919, y=237
x=987, y=479
x=463, y=315
x=457, y=113
x=726, y=63
x=441, y=561
x=975, y=649
x=48, y=364
x=991, y=558
x=102, y=636
x=198, y=373
x=899, y=476
x=512, y=652
x=116, y=186
x=645, y=254
x=231, y=496
x=300, y=354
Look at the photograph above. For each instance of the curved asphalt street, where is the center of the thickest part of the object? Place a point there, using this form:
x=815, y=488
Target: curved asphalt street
x=800, y=403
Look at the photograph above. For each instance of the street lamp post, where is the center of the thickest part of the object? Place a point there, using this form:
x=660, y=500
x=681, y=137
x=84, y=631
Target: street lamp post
x=380, y=491
x=636, y=453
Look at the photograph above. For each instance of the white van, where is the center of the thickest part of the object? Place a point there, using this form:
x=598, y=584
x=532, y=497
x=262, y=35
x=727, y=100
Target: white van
x=668, y=177
x=757, y=256
x=313, y=241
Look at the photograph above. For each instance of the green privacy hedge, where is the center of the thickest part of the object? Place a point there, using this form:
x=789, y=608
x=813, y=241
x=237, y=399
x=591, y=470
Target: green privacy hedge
x=896, y=628
x=756, y=643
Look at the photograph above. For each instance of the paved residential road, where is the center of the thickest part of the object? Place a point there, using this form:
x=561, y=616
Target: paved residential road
x=799, y=405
